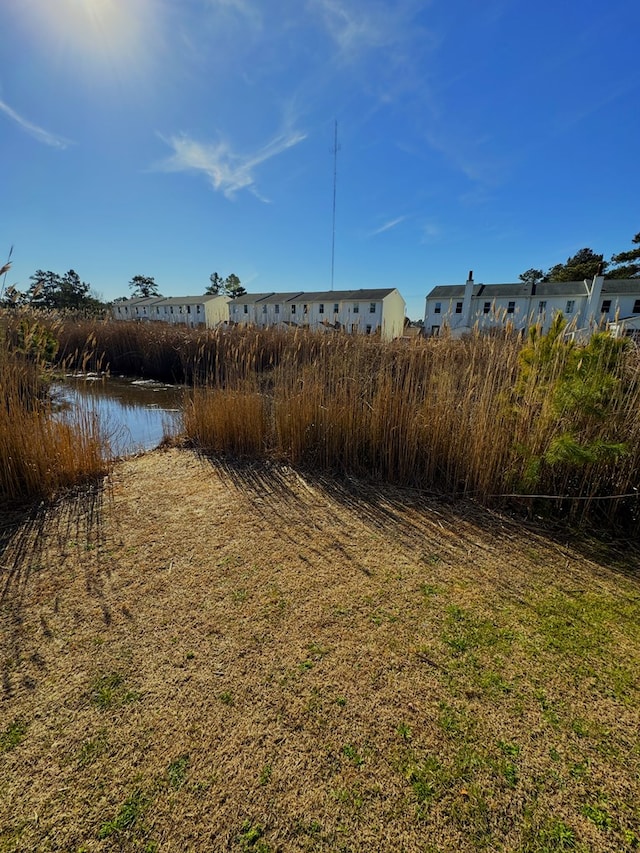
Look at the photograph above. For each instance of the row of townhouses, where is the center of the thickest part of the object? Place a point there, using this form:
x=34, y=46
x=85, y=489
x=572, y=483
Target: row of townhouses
x=378, y=311
x=586, y=305
x=455, y=308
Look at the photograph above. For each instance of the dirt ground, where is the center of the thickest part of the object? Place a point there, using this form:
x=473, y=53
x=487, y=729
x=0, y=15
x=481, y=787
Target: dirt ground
x=207, y=656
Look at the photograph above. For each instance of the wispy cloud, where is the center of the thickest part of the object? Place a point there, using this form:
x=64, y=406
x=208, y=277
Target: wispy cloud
x=227, y=171
x=392, y=223
x=34, y=130
x=357, y=26
x=352, y=28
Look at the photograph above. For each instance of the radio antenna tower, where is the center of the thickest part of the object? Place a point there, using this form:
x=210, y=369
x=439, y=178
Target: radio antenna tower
x=336, y=148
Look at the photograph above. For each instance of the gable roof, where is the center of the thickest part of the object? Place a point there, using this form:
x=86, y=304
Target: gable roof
x=363, y=294
x=139, y=300
x=250, y=298
x=542, y=288
x=279, y=298
x=189, y=300
x=622, y=285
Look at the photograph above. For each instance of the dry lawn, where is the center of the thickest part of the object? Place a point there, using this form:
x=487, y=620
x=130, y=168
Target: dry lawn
x=210, y=657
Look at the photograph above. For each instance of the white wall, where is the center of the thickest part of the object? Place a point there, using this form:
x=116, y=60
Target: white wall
x=392, y=316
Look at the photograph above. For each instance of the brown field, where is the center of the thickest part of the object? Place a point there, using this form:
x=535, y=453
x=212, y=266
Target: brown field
x=214, y=657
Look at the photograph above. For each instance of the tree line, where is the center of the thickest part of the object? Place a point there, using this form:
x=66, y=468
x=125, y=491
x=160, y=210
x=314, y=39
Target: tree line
x=51, y=291
x=586, y=263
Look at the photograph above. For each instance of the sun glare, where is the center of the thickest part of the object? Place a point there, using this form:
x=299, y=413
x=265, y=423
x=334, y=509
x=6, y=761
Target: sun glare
x=95, y=33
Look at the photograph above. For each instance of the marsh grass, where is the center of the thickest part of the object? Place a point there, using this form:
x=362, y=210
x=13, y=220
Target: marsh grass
x=41, y=455
x=544, y=424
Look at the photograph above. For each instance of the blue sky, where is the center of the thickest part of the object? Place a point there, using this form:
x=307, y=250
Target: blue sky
x=173, y=138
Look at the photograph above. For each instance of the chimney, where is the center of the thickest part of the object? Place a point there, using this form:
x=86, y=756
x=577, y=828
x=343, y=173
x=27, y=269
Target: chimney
x=592, y=309
x=465, y=318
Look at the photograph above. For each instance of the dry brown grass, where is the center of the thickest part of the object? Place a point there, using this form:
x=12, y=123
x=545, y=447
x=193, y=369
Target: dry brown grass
x=41, y=455
x=241, y=658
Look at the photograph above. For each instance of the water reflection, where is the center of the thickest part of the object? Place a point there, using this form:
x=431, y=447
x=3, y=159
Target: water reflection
x=135, y=414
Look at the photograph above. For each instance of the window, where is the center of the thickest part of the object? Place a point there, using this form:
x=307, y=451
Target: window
x=542, y=306
x=458, y=307
x=435, y=330
x=368, y=330
x=486, y=308
x=197, y=309
x=119, y=311
x=188, y=309
x=264, y=309
x=372, y=308
x=571, y=304
x=321, y=308
x=636, y=307
x=305, y=309
x=166, y=310
x=137, y=311
x=356, y=308
x=171, y=309
x=276, y=309
x=335, y=307
x=354, y=327
x=157, y=310
x=293, y=309
x=144, y=310
x=246, y=309
x=511, y=307
x=606, y=306
x=180, y=309
x=438, y=308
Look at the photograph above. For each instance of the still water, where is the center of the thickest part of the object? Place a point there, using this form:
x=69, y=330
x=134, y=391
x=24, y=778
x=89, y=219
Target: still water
x=134, y=414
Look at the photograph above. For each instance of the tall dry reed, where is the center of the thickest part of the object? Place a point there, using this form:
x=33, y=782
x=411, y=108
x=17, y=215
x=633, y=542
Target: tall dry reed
x=542, y=423
x=41, y=454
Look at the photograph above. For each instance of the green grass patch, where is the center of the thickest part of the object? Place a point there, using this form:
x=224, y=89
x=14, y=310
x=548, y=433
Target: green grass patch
x=14, y=734
x=553, y=836
x=574, y=627
x=250, y=838
x=598, y=815
x=177, y=772
x=351, y=752
x=128, y=819
x=110, y=691
x=464, y=632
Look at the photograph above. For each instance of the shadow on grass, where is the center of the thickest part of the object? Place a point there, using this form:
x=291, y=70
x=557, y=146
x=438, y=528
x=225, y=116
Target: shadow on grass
x=436, y=527
x=28, y=538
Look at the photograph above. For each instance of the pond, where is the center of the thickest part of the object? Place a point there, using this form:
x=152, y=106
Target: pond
x=135, y=414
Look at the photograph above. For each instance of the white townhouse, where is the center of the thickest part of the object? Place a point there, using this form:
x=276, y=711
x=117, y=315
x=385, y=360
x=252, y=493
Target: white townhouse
x=134, y=309
x=275, y=310
x=585, y=305
x=243, y=309
x=366, y=311
x=193, y=311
